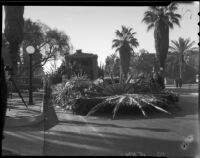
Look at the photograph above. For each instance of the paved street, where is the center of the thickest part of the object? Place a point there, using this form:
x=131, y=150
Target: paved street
x=78, y=135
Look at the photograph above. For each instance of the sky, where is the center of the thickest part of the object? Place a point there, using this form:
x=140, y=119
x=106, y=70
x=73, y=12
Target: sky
x=92, y=28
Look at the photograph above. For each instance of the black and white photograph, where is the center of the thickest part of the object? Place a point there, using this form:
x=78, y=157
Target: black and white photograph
x=100, y=80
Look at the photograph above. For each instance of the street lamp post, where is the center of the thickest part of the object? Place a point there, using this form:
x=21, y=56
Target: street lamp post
x=30, y=50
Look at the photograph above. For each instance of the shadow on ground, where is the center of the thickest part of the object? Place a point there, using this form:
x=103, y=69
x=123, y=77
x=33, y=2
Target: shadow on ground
x=80, y=123
x=33, y=128
x=75, y=144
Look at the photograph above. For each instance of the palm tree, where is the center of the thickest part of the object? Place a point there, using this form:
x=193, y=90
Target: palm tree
x=161, y=19
x=181, y=48
x=124, y=43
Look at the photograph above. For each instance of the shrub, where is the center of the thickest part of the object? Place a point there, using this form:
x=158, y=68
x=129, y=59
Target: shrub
x=86, y=98
x=83, y=105
x=140, y=94
x=72, y=90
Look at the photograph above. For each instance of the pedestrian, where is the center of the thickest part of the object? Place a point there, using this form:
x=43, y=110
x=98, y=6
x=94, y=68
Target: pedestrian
x=180, y=82
x=177, y=83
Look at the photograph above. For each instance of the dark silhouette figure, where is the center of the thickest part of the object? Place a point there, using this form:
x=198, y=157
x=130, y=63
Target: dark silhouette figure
x=180, y=83
x=177, y=83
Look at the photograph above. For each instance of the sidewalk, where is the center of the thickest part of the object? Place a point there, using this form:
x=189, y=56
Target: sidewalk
x=18, y=115
x=186, y=89
x=23, y=132
x=184, y=86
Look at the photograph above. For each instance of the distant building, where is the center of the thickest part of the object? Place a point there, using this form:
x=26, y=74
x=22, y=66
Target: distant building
x=84, y=63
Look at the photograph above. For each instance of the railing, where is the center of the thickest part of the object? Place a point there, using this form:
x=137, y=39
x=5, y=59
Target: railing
x=23, y=83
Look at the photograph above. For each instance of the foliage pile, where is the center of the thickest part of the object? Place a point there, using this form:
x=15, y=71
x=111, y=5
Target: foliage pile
x=141, y=94
x=68, y=92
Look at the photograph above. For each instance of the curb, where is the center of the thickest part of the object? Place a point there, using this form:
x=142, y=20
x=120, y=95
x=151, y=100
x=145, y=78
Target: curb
x=24, y=121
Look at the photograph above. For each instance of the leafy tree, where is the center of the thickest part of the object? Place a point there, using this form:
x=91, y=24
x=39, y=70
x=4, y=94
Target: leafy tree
x=181, y=48
x=133, y=64
x=173, y=71
x=192, y=59
x=112, y=65
x=49, y=44
x=161, y=18
x=34, y=36
x=143, y=62
x=124, y=43
x=143, y=51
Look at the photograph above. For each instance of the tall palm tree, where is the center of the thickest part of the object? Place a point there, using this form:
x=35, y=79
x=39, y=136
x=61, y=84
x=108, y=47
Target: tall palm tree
x=161, y=19
x=124, y=43
x=181, y=48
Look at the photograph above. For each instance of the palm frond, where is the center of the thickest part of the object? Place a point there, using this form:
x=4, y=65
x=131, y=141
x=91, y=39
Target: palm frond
x=135, y=101
x=119, y=34
x=118, y=105
x=156, y=107
x=166, y=14
x=149, y=17
x=150, y=26
x=97, y=107
x=190, y=45
x=170, y=24
x=182, y=45
x=154, y=9
x=140, y=101
x=176, y=21
x=172, y=6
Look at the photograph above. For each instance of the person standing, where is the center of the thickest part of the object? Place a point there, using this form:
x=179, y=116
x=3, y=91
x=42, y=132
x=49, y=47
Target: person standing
x=177, y=83
x=180, y=82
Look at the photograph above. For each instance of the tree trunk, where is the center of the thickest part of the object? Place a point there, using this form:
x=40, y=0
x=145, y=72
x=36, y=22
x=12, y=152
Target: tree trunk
x=14, y=23
x=161, y=36
x=14, y=34
x=181, y=60
x=125, y=61
x=180, y=75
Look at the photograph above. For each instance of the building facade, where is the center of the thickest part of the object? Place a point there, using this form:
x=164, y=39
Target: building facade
x=83, y=63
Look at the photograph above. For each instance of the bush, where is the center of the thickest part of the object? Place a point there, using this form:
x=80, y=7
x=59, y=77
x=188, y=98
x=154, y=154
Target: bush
x=142, y=95
x=73, y=89
x=83, y=105
x=86, y=98
x=108, y=80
